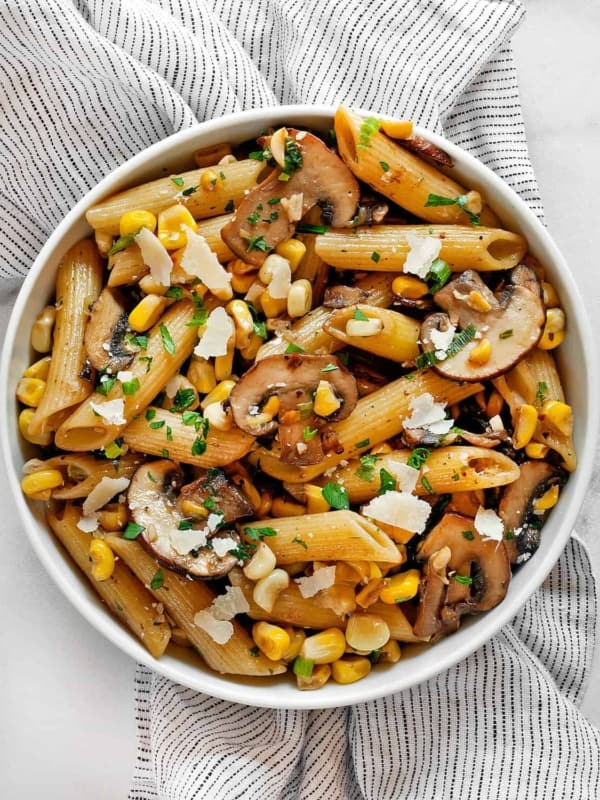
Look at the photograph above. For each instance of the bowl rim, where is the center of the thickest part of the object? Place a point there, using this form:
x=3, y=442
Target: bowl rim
x=266, y=695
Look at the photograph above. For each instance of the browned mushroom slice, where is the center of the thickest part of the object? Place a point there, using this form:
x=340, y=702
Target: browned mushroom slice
x=260, y=223
x=521, y=523
x=298, y=382
x=371, y=212
x=213, y=491
x=512, y=323
x=479, y=566
x=428, y=623
x=174, y=540
x=419, y=145
x=104, y=339
x=344, y=296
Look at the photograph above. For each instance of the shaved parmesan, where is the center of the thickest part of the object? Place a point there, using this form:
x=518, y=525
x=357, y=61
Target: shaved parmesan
x=281, y=277
x=155, y=256
x=88, y=524
x=441, y=339
x=442, y=427
x=320, y=579
x=220, y=631
x=217, y=333
x=496, y=423
x=102, y=492
x=423, y=252
x=183, y=542
x=425, y=412
x=124, y=375
x=226, y=606
x=199, y=261
x=111, y=411
x=399, y=509
x=223, y=545
x=214, y=521
x=405, y=475
x=293, y=206
x=488, y=524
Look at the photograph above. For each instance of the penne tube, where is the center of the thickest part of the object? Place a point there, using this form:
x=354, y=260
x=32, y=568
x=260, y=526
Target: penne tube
x=308, y=332
x=397, y=339
x=446, y=470
x=377, y=417
x=180, y=440
x=183, y=598
x=400, y=175
x=82, y=472
x=122, y=592
x=400, y=627
x=332, y=536
x=463, y=247
x=202, y=202
x=312, y=267
x=78, y=285
x=85, y=429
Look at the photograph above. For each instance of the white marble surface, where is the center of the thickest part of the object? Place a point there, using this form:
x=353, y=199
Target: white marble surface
x=67, y=725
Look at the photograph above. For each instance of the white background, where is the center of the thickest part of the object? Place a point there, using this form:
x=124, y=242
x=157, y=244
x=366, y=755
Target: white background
x=67, y=727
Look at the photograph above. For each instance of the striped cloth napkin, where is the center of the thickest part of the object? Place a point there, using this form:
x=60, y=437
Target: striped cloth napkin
x=85, y=85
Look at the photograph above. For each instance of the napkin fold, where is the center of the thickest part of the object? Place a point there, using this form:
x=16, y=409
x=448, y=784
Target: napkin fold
x=85, y=85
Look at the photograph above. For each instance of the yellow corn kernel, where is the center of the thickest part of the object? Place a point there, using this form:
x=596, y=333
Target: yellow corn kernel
x=397, y=128
x=41, y=331
x=326, y=401
x=369, y=594
x=239, y=267
x=208, y=180
x=267, y=589
x=201, y=374
x=217, y=417
x=147, y=312
x=113, y=517
x=132, y=221
x=374, y=570
x=536, y=450
x=271, y=306
x=207, y=156
x=39, y=369
x=103, y=560
x=401, y=587
x=40, y=481
x=170, y=226
x=261, y=564
x=549, y=295
x=548, y=500
x=249, y=352
x=297, y=637
x=554, y=329
x=559, y=415
x=271, y=407
x=281, y=507
x=192, y=509
x=30, y=391
x=350, y=669
x=224, y=364
x=272, y=263
x=364, y=327
x=25, y=418
x=242, y=283
x=299, y=299
x=293, y=250
x=478, y=302
x=270, y=639
x=481, y=353
x=243, y=321
x=149, y=286
x=219, y=394
x=320, y=675
x=413, y=288
x=524, y=421
x=390, y=653
x=366, y=632
x=315, y=502
x=324, y=647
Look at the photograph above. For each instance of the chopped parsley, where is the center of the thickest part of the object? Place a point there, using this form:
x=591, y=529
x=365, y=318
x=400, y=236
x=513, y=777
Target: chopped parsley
x=190, y=190
x=387, y=482
x=183, y=399
x=105, y=385
x=123, y=242
x=439, y=274
x=274, y=200
x=375, y=257
x=167, y=341
x=261, y=155
x=258, y=534
x=260, y=328
x=185, y=524
x=509, y=535
x=329, y=368
x=292, y=159
x=293, y=348
x=150, y=413
x=368, y=127
x=358, y=314
x=426, y=485
x=164, y=453
x=469, y=535
x=258, y=243
x=541, y=392
x=243, y=551
x=133, y=530
x=366, y=471
x=460, y=201
x=138, y=340
x=506, y=334
x=301, y=542
x=429, y=358
x=169, y=434
x=363, y=443
x=306, y=227
x=130, y=387
x=418, y=457
x=174, y=291
x=114, y=449
x=156, y=425
x=308, y=434
x=157, y=580
x=336, y=495
x=254, y=217
x=384, y=166
x=178, y=181
x=198, y=446
x=148, y=360
x=466, y=580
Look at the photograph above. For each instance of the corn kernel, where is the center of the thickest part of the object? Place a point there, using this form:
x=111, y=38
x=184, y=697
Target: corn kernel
x=39, y=369
x=25, y=418
x=113, y=517
x=324, y=647
x=369, y=594
x=41, y=331
x=171, y=222
x=267, y=589
x=30, y=391
x=364, y=327
x=217, y=417
x=554, y=329
x=481, y=353
x=326, y=402
x=548, y=500
x=559, y=415
x=536, y=450
x=320, y=675
x=390, y=653
x=478, y=302
x=293, y=250
x=239, y=267
x=374, y=570
x=192, y=509
x=224, y=364
x=270, y=639
x=315, y=502
x=208, y=180
x=549, y=295
x=243, y=321
x=281, y=507
x=149, y=286
x=132, y=221
x=147, y=312
x=40, y=481
x=397, y=128
x=261, y=564
x=299, y=299
x=219, y=394
x=350, y=669
x=401, y=587
x=271, y=306
x=366, y=632
x=201, y=374
x=524, y=420
x=297, y=637
x=250, y=352
x=413, y=288
x=242, y=283
x=103, y=560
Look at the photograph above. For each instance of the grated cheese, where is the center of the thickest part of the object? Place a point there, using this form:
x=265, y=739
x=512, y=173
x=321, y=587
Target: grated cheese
x=217, y=333
x=405, y=475
x=111, y=411
x=213, y=521
x=442, y=427
x=88, y=524
x=102, y=492
x=281, y=277
x=220, y=631
x=124, y=375
x=320, y=579
x=226, y=606
x=199, y=261
x=223, y=545
x=155, y=256
x=183, y=542
x=424, y=412
x=293, y=206
x=441, y=339
x=423, y=252
x=488, y=524
x=399, y=509
x=496, y=423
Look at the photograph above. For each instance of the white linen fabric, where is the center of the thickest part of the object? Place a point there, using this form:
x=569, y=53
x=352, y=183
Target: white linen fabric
x=85, y=85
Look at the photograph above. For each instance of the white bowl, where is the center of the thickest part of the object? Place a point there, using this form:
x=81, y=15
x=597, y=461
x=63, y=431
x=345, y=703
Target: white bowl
x=577, y=362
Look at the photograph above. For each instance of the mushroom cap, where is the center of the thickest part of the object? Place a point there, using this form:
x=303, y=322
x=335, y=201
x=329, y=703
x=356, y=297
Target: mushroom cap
x=322, y=179
x=513, y=324
x=151, y=498
x=104, y=338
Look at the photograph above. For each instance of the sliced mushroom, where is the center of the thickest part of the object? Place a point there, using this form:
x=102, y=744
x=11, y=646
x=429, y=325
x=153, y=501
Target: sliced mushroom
x=512, y=322
x=423, y=437
x=344, y=296
x=293, y=380
x=214, y=491
x=104, y=339
x=371, y=212
x=521, y=523
x=153, y=504
x=472, y=557
x=322, y=179
x=426, y=149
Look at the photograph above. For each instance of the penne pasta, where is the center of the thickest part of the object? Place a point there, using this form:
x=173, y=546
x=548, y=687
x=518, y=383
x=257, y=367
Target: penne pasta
x=82, y=472
x=397, y=338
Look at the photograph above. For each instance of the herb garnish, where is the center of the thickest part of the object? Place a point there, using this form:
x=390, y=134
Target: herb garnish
x=308, y=434
x=157, y=580
x=178, y=181
x=426, y=485
x=258, y=534
x=368, y=127
x=439, y=274
x=133, y=530
x=336, y=495
x=460, y=201
x=123, y=242
x=167, y=341
x=174, y=291
x=464, y=579
x=366, y=471
x=429, y=358
x=306, y=227
x=130, y=387
x=542, y=391
x=387, y=482
x=358, y=314
x=258, y=243
x=469, y=535
x=375, y=257
x=418, y=457
x=506, y=334
x=293, y=348
x=183, y=399
x=301, y=542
